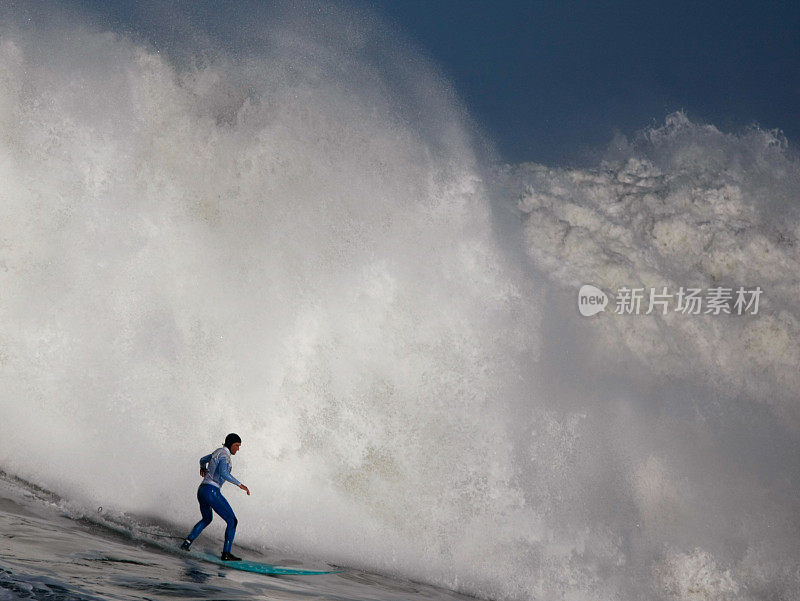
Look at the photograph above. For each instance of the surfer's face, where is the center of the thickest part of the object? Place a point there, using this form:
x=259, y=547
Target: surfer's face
x=235, y=447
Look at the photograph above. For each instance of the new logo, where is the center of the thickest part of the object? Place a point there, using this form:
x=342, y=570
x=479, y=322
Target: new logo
x=591, y=300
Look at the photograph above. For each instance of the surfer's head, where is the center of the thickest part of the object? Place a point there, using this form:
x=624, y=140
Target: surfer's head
x=233, y=442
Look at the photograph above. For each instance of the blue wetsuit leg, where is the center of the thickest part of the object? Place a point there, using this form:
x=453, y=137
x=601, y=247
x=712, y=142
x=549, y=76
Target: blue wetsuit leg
x=223, y=509
x=210, y=498
x=205, y=512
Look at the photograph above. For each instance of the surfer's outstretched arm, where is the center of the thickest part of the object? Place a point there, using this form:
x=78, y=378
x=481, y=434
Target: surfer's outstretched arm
x=225, y=472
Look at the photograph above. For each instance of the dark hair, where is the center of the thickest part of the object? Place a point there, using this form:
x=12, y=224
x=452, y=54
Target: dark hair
x=231, y=439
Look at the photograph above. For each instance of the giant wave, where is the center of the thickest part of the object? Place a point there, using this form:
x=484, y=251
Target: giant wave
x=301, y=239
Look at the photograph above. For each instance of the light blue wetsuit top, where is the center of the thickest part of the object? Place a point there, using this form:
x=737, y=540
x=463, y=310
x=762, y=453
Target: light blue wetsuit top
x=218, y=468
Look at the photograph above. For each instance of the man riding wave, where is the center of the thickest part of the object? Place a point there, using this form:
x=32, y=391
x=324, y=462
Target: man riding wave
x=216, y=470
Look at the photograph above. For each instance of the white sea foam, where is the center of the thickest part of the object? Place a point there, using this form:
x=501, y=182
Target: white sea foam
x=295, y=241
x=686, y=206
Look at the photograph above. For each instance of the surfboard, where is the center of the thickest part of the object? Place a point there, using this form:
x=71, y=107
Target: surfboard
x=256, y=567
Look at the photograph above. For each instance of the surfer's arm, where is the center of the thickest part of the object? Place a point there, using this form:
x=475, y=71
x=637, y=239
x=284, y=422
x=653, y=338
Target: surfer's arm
x=204, y=464
x=225, y=472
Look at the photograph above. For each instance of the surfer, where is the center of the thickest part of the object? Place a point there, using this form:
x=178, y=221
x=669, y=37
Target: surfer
x=215, y=470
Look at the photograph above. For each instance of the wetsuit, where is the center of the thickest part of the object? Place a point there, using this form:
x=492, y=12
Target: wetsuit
x=218, y=470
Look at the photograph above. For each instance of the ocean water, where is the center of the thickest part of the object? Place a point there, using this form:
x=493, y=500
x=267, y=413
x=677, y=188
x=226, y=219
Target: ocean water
x=51, y=553
x=293, y=230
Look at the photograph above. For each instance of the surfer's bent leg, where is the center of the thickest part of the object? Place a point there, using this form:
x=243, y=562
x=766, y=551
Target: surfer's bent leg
x=223, y=509
x=205, y=500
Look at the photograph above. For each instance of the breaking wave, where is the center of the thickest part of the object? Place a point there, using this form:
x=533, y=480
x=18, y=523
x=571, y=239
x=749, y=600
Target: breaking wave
x=300, y=239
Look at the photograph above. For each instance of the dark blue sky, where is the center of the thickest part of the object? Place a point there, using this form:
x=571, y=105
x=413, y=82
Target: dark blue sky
x=552, y=81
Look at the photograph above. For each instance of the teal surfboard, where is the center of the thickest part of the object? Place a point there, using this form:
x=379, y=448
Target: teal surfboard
x=256, y=567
